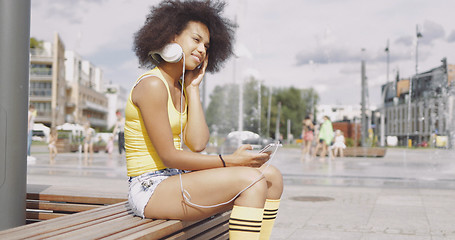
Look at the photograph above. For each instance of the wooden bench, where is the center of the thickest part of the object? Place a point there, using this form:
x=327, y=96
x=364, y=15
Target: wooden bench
x=47, y=202
x=365, y=152
x=90, y=217
x=360, y=152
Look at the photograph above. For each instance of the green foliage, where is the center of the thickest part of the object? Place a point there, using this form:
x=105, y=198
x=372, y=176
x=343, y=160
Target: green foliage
x=62, y=134
x=34, y=43
x=349, y=142
x=222, y=108
x=293, y=107
x=222, y=111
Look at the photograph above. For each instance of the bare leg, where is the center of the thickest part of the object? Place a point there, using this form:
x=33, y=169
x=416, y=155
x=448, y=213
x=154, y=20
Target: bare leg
x=85, y=154
x=207, y=187
x=330, y=151
x=53, y=153
x=335, y=152
x=323, y=152
x=51, y=156
x=91, y=153
x=318, y=146
x=274, y=181
x=305, y=149
x=308, y=147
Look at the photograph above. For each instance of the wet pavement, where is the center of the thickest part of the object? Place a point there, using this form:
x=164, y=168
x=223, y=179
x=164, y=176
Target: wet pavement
x=408, y=194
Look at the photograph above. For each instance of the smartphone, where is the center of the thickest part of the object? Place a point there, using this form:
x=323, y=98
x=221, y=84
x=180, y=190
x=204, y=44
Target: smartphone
x=269, y=147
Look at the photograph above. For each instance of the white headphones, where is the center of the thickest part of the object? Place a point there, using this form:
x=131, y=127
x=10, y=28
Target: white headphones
x=172, y=53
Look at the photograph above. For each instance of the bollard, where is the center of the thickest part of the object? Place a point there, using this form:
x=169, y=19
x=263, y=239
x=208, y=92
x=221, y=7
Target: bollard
x=14, y=82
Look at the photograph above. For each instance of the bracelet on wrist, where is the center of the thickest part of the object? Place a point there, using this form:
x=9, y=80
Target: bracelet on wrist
x=222, y=160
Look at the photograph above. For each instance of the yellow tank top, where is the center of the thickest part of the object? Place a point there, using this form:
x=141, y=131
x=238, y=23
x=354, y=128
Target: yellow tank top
x=141, y=156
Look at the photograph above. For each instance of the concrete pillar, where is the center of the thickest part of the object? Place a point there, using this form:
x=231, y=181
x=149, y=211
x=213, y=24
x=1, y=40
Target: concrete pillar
x=14, y=82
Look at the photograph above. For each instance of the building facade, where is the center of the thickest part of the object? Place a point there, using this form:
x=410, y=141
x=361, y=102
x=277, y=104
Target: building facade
x=64, y=88
x=117, y=97
x=47, y=82
x=338, y=113
x=85, y=100
x=431, y=107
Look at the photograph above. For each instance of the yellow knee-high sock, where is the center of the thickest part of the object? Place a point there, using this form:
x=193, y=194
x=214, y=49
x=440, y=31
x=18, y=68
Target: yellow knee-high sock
x=270, y=211
x=245, y=223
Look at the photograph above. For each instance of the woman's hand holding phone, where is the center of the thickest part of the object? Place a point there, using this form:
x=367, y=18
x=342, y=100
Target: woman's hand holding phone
x=243, y=157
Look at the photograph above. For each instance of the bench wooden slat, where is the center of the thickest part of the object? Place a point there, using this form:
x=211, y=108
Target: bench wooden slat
x=43, y=215
x=158, y=231
x=132, y=224
x=64, y=222
x=216, y=232
x=210, y=223
x=73, y=199
x=364, y=152
x=82, y=225
x=100, y=229
x=73, y=194
x=125, y=233
x=64, y=207
x=27, y=231
x=224, y=236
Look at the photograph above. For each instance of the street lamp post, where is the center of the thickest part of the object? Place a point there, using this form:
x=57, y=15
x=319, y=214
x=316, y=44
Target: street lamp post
x=364, y=132
x=418, y=35
x=259, y=107
x=383, y=98
x=269, y=110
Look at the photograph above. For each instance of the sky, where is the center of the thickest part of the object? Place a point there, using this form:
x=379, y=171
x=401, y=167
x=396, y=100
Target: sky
x=301, y=43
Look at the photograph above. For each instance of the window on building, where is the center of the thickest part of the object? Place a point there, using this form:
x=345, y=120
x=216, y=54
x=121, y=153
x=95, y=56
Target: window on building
x=41, y=89
x=41, y=69
x=43, y=108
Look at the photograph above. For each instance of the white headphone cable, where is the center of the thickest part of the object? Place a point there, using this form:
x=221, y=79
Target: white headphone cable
x=186, y=195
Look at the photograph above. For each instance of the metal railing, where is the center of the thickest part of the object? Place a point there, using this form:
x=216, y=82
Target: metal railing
x=40, y=52
x=40, y=71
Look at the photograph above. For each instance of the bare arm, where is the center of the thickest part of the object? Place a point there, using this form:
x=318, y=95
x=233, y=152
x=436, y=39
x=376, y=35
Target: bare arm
x=153, y=108
x=115, y=127
x=29, y=119
x=197, y=133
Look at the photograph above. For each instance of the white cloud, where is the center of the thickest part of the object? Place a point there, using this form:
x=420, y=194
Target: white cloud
x=432, y=31
x=294, y=43
x=451, y=37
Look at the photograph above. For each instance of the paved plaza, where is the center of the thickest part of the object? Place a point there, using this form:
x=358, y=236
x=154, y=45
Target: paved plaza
x=408, y=194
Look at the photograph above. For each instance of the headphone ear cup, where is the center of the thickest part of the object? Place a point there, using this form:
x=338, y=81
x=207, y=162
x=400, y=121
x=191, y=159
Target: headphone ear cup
x=172, y=53
x=156, y=56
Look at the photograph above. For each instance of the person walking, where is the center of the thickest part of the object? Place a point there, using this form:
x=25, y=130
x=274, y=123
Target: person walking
x=31, y=122
x=119, y=129
x=53, y=136
x=89, y=138
x=325, y=138
x=110, y=146
x=179, y=42
x=307, y=136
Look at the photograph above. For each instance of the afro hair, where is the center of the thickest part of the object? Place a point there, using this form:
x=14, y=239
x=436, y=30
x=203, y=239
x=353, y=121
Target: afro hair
x=171, y=17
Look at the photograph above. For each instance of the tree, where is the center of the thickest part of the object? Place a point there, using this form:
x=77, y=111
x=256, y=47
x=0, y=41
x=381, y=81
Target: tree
x=34, y=43
x=222, y=110
x=250, y=105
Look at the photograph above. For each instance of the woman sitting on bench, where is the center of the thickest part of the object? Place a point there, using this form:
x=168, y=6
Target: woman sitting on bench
x=179, y=42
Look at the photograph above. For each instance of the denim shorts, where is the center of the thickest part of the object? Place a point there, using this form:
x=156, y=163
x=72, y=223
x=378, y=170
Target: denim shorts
x=142, y=187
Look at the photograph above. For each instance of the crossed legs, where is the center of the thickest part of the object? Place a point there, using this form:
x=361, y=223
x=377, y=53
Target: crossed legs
x=214, y=186
x=253, y=211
